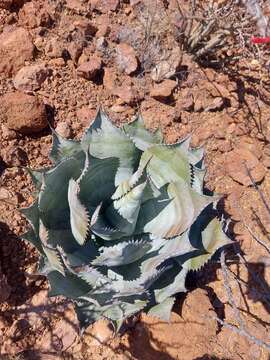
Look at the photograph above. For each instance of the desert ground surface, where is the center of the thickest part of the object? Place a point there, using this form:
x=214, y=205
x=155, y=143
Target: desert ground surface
x=188, y=67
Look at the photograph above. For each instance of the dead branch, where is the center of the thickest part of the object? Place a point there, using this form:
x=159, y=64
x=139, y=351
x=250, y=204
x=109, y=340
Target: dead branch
x=258, y=190
x=241, y=330
x=242, y=333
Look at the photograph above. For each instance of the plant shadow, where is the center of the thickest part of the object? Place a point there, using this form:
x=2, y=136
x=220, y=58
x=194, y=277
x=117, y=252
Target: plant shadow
x=15, y=257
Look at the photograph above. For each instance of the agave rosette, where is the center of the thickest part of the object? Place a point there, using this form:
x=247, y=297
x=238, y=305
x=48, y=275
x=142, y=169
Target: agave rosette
x=120, y=219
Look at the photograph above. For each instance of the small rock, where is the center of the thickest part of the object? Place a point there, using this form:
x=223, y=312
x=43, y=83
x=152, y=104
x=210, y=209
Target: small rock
x=54, y=48
x=58, y=62
x=16, y=47
x=238, y=161
x=199, y=103
x=86, y=115
x=99, y=333
x=83, y=59
x=14, y=155
x=201, y=135
x=109, y=79
x=32, y=15
x=23, y=113
x=167, y=68
x=105, y=6
x=76, y=5
x=202, y=99
x=75, y=50
x=40, y=300
x=63, y=129
x=135, y=2
x=163, y=90
x=90, y=69
x=126, y=93
x=186, y=101
x=126, y=58
x=216, y=104
x=118, y=109
x=104, y=27
x=8, y=134
x=4, y=195
x=86, y=28
x=30, y=78
x=39, y=43
x=224, y=146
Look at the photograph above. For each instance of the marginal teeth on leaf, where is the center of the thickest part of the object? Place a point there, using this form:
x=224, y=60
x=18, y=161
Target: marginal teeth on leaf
x=95, y=215
x=128, y=205
x=43, y=233
x=78, y=214
x=86, y=166
x=122, y=254
x=55, y=259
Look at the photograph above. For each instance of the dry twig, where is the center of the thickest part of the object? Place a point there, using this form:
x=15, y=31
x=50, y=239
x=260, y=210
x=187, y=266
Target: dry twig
x=241, y=330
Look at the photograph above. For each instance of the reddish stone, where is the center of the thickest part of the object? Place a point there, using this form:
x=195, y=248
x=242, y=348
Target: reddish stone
x=126, y=58
x=30, y=78
x=236, y=165
x=23, y=113
x=105, y=6
x=90, y=69
x=16, y=47
x=163, y=90
x=126, y=93
x=32, y=15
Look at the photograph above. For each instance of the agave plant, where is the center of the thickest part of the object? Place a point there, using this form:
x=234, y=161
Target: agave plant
x=120, y=219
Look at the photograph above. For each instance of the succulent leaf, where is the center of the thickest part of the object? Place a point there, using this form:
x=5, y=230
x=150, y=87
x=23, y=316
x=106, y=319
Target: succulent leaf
x=98, y=174
x=163, y=310
x=178, y=285
x=68, y=285
x=166, y=164
x=37, y=176
x=212, y=238
x=177, y=246
x=53, y=199
x=120, y=219
x=87, y=313
x=79, y=218
x=54, y=259
x=184, y=207
x=122, y=254
x=32, y=215
x=31, y=237
x=63, y=148
x=106, y=140
x=141, y=137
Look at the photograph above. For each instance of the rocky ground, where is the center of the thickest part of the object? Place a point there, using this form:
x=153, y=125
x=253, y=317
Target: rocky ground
x=61, y=60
